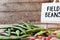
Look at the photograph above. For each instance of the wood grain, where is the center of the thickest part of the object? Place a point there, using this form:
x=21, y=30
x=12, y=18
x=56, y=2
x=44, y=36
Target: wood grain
x=5, y=1
x=15, y=17
x=13, y=11
x=20, y=6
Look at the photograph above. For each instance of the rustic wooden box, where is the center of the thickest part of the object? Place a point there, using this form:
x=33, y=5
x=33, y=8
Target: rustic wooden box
x=13, y=11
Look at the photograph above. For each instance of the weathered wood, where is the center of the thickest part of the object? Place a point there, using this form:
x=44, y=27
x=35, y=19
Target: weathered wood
x=4, y=1
x=20, y=6
x=15, y=17
x=54, y=26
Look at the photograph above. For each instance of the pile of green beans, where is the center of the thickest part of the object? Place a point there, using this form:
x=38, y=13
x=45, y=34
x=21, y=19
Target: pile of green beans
x=21, y=30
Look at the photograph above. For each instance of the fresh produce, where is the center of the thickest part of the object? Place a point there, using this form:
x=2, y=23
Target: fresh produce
x=17, y=32
x=23, y=29
x=9, y=30
x=24, y=36
x=32, y=32
x=35, y=30
x=42, y=33
x=36, y=35
x=54, y=33
x=31, y=38
x=58, y=35
x=27, y=25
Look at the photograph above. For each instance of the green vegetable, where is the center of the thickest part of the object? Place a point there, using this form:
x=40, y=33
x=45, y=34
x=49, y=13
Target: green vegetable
x=24, y=36
x=32, y=26
x=27, y=25
x=9, y=32
x=13, y=32
x=50, y=32
x=41, y=32
x=9, y=38
x=18, y=32
x=35, y=30
x=17, y=25
x=20, y=29
x=58, y=35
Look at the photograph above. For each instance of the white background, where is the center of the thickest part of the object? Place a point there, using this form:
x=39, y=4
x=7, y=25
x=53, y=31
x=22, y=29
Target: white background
x=49, y=19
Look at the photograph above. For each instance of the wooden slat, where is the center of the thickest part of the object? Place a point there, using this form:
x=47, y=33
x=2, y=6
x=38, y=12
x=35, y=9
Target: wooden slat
x=54, y=26
x=4, y=1
x=15, y=17
x=20, y=6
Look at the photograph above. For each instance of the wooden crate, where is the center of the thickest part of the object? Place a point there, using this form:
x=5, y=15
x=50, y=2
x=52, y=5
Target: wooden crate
x=13, y=11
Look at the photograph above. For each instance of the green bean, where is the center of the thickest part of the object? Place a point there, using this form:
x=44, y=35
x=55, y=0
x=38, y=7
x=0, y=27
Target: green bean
x=21, y=33
x=32, y=26
x=6, y=31
x=24, y=36
x=17, y=32
x=13, y=32
x=8, y=38
x=19, y=26
x=20, y=29
x=3, y=34
x=34, y=30
x=27, y=25
x=9, y=32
